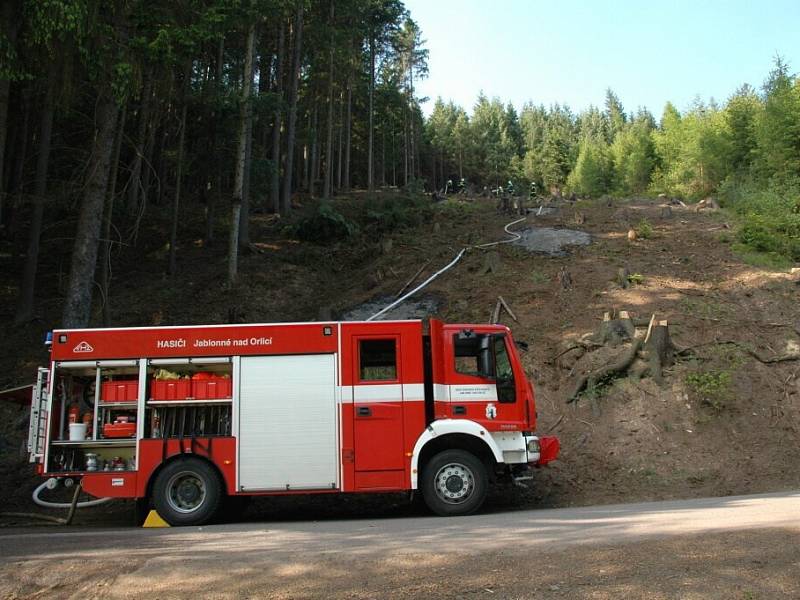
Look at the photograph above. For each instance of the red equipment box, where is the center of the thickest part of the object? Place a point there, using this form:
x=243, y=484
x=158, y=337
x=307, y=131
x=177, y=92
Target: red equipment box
x=120, y=390
x=170, y=389
x=119, y=430
x=212, y=388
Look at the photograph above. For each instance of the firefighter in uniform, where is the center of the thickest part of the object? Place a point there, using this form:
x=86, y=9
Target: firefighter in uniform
x=462, y=186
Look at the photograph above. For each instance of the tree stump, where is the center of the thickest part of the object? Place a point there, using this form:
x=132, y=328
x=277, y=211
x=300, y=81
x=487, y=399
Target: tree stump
x=564, y=278
x=491, y=263
x=622, y=278
x=658, y=350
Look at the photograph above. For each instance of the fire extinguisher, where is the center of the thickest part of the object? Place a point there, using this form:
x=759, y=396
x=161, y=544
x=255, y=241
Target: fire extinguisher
x=74, y=413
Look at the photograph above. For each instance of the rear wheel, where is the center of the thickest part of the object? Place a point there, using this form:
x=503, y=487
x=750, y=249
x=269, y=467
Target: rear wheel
x=187, y=492
x=454, y=482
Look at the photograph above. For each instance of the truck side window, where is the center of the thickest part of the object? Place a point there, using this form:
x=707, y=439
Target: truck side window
x=473, y=355
x=378, y=360
x=506, y=388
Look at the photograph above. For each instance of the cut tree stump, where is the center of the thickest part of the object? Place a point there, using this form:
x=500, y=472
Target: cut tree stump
x=564, y=278
x=659, y=350
x=491, y=263
x=647, y=353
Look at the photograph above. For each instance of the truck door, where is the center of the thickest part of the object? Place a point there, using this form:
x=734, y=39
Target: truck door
x=483, y=385
x=378, y=410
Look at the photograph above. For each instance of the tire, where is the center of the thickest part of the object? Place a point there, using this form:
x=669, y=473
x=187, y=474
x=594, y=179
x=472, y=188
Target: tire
x=454, y=483
x=188, y=491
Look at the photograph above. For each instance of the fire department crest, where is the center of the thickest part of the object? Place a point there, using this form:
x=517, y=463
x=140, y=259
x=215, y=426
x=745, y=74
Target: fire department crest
x=83, y=347
x=491, y=411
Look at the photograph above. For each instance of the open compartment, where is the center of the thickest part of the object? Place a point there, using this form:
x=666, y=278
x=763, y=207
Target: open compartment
x=94, y=410
x=189, y=397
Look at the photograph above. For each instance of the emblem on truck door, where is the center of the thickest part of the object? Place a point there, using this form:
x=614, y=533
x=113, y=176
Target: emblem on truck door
x=491, y=411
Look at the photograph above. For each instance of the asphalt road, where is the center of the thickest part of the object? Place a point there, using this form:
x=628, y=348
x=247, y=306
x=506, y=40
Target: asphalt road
x=327, y=558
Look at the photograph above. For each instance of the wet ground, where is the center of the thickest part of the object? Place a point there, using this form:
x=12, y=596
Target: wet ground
x=554, y=242
x=419, y=307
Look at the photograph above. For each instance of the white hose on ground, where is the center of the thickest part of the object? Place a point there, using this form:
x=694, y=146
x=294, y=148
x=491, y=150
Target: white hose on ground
x=514, y=238
x=46, y=504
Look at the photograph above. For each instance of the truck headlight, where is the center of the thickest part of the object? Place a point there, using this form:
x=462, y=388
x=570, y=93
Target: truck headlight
x=533, y=446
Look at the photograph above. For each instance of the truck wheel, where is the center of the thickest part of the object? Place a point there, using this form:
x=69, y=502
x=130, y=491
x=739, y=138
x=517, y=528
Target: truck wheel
x=187, y=492
x=454, y=482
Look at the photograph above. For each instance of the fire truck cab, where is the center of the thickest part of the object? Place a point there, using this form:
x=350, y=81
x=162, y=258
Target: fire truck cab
x=184, y=416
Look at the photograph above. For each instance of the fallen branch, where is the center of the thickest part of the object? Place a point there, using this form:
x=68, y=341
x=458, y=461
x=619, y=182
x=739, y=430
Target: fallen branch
x=413, y=279
x=496, y=312
x=508, y=309
x=556, y=424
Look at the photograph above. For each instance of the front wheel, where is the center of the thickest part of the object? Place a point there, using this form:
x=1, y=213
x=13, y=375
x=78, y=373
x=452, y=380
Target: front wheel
x=187, y=492
x=454, y=482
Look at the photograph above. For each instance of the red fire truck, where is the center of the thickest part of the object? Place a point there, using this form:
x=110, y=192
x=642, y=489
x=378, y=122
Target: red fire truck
x=182, y=417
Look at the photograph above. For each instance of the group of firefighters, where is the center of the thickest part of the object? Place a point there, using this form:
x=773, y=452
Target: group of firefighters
x=508, y=201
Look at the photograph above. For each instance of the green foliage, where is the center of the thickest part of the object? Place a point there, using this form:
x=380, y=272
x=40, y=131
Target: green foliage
x=593, y=171
x=633, y=155
x=391, y=214
x=769, y=216
x=713, y=387
x=539, y=278
x=644, y=230
x=636, y=278
x=324, y=225
x=777, y=125
x=692, y=151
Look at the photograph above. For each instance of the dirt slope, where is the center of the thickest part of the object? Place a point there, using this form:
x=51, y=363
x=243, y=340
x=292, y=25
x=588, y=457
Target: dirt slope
x=736, y=430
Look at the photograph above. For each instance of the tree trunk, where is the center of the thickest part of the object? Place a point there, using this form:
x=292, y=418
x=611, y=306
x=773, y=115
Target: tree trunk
x=176, y=201
x=26, y=295
x=78, y=302
x=245, y=124
x=347, y=134
x=286, y=200
x=307, y=154
x=10, y=24
x=326, y=188
x=105, y=239
x=135, y=185
x=275, y=181
x=370, y=182
x=23, y=138
x=339, y=141
x=312, y=180
x=244, y=215
x=211, y=195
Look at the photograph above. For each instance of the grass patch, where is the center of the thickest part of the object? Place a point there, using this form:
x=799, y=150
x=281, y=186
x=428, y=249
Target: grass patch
x=765, y=260
x=539, y=278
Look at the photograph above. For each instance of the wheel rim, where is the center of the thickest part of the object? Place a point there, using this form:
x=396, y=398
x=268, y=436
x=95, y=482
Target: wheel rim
x=186, y=492
x=454, y=483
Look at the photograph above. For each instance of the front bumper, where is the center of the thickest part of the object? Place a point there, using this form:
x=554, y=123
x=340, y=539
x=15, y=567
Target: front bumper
x=541, y=450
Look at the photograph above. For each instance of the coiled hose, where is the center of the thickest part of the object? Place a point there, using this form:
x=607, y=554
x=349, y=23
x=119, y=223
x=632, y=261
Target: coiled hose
x=46, y=504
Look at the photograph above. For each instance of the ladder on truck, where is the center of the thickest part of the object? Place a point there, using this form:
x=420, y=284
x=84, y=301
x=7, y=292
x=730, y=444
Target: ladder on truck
x=38, y=422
